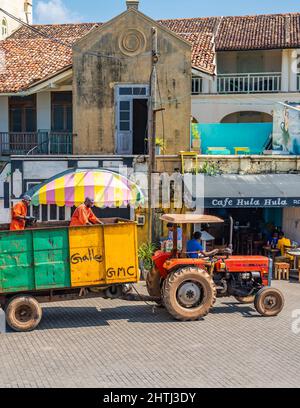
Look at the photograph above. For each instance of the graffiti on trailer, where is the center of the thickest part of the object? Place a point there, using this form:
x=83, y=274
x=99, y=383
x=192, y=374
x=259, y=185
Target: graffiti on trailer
x=89, y=257
x=121, y=272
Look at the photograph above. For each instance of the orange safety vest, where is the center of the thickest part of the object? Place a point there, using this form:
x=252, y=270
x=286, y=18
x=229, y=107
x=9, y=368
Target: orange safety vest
x=19, y=210
x=82, y=216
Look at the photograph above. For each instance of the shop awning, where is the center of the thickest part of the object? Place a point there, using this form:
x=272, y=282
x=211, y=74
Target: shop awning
x=242, y=191
x=106, y=188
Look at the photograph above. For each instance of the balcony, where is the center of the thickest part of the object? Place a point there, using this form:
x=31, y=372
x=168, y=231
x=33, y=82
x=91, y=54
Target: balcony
x=249, y=83
x=36, y=143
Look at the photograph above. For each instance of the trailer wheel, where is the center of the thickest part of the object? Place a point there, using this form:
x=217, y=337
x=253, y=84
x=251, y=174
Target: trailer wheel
x=23, y=313
x=269, y=302
x=246, y=300
x=189, y=293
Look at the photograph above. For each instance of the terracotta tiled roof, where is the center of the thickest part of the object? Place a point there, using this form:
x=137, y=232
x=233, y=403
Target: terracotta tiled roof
x=29, y=57
x=270, y=31
x=261, y=32
x=28, y=61
x=202, y=51
x=55, y=30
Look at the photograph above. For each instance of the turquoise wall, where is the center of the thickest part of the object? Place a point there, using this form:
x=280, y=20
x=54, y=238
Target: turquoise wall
x=274, y=215
x=230, y=135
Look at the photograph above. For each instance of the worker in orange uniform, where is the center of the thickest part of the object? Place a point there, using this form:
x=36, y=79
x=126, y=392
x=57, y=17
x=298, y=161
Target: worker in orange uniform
x=19, y=214
x=83, y=215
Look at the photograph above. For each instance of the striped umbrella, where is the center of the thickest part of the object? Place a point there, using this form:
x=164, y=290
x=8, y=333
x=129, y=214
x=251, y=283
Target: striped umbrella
x=106, y=188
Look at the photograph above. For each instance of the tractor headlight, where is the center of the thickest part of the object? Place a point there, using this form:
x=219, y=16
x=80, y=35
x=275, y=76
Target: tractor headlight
x=255, y=275
x=246, y=276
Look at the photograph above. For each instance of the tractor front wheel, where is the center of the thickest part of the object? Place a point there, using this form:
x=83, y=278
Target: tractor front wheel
x=23, y=313
x=189, y=293
x=269, y=302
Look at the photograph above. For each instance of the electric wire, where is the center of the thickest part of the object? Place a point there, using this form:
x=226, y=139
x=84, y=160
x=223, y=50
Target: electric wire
x=119, y=59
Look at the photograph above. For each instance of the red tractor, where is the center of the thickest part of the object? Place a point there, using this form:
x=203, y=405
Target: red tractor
x=188, y=287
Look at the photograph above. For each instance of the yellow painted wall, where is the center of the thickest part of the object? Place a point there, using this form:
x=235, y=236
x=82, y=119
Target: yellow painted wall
x=95, y=79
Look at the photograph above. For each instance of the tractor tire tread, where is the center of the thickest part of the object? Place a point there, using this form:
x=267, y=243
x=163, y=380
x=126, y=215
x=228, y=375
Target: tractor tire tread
x=173, y=279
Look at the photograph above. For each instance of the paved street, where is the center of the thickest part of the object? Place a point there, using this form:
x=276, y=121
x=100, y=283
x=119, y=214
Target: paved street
x=101, y=343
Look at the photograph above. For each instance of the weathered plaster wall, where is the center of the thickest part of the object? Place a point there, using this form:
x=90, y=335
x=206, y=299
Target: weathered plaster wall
x=291, y=223
x=95, y=78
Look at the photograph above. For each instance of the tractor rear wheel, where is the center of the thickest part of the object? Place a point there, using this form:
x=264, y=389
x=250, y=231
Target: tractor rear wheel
x=189, y=293
x=246, y=300
x=269, y=302
x=153, y=282
x=23, y=313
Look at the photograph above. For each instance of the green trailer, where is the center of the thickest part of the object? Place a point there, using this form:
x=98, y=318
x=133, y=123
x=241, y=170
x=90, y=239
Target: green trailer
x=41, y=265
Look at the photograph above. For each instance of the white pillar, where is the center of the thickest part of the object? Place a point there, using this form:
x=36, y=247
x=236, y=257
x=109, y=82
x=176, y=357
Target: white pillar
x=294, y=62
x=4, y=123
x=214, y=85
x=205, y=85
x=285, y=68
x=43, y=107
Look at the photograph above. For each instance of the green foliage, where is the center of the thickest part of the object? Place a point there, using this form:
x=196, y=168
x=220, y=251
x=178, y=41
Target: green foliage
x=145, y=253
x=209, y=168
x=195, y=131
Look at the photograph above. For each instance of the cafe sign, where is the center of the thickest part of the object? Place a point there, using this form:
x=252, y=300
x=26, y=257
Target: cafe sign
x=251, y=202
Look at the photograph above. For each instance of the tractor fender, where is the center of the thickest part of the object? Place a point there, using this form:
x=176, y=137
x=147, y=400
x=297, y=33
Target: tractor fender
x=173, y=264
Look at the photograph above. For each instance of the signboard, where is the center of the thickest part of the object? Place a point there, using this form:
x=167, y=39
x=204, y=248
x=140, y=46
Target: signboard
x=251, y=202
x=286, y=128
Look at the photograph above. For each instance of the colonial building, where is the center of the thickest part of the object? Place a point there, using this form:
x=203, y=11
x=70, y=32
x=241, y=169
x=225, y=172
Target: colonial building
x=22, y=9
x=76, y=95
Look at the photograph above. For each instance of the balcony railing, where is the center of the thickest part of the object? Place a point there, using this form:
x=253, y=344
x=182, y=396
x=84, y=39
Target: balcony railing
x=31, y=143
x=249, y=83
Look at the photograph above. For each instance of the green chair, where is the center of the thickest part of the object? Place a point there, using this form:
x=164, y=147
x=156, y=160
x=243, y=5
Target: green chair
x=218, y=151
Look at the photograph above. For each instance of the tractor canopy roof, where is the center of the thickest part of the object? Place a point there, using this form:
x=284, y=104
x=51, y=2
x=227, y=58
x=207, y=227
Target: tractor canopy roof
x=191, y=219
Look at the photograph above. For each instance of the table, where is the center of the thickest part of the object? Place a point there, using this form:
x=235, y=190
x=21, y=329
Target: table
x=273, y=252
x=296, y=254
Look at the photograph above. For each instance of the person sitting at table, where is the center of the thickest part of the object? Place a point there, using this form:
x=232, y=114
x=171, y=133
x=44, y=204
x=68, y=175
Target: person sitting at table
x=273, y=242
x=194, y=248
x=283, y=242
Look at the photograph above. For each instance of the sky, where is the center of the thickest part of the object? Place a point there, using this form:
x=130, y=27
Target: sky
x=66, y=11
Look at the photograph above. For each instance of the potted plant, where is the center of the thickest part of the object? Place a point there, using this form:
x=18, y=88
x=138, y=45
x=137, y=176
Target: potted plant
x=196, y=137
x=160, y=145
x=145, y=253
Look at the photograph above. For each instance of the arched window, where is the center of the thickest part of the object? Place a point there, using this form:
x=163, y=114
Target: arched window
x=4, y=27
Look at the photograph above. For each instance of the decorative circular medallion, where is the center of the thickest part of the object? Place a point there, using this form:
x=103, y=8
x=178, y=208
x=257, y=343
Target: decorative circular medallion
x=132, y=42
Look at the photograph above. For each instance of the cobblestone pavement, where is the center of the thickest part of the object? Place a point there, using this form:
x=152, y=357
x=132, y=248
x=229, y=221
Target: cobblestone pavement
x=102, y=343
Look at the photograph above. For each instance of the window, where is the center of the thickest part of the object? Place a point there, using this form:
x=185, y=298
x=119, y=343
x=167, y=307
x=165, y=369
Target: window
x=62, y=112
x=22, y=114
x=136, y=91
x=4, y=29
x=196, y=85
x=48, y=212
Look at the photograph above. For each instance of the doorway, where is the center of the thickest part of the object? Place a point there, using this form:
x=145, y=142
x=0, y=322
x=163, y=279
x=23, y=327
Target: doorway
x=139, y=128
x=131, y=119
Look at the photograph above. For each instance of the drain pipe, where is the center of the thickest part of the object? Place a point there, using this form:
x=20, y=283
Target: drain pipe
x=231, y=233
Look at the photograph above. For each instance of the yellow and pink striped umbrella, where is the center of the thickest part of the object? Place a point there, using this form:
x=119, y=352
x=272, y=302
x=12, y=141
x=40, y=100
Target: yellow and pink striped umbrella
x=106, y=188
